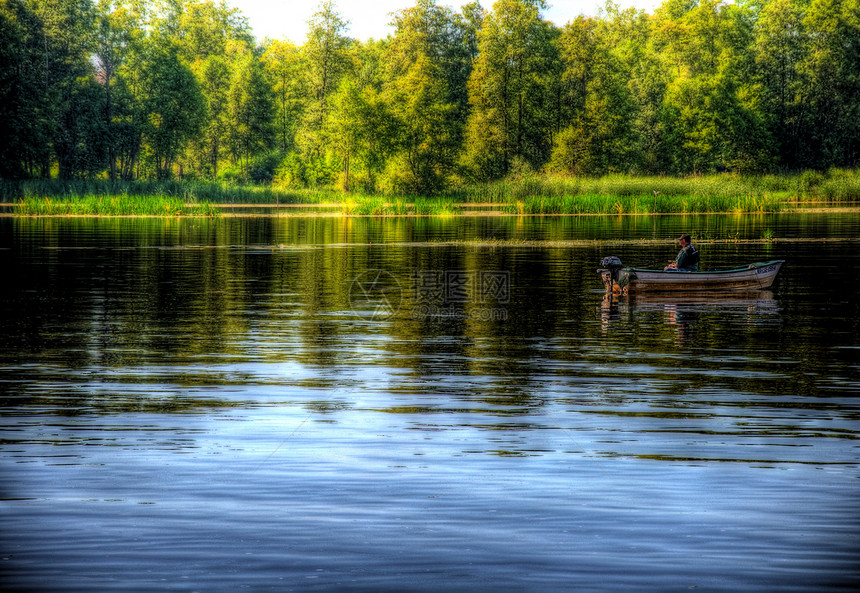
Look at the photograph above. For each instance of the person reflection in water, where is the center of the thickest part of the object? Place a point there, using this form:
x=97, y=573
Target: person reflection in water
x=683, y=322
x=687, y=259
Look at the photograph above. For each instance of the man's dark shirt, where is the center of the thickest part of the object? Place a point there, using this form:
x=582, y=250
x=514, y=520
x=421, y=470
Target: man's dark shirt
x=688, y=259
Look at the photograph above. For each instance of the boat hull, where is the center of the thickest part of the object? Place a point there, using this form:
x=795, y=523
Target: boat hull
x=756, y=276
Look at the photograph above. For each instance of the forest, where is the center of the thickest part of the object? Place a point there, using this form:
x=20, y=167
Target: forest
x=181, y=89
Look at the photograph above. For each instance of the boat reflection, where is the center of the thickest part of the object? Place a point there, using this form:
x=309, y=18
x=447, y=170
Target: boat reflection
x=682, y=311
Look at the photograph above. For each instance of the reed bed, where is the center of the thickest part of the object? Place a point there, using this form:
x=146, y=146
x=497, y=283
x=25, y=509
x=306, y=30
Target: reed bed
x=372, y=206
x=114, y=206
x=440, y=206
x=525, y=194
x=384, y=206
x=603, y=204
x=721, y=193
x=188, y=191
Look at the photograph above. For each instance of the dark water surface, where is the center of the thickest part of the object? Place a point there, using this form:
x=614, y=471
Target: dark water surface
x=329, y=404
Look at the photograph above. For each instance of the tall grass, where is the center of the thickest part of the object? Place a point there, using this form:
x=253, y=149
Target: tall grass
x=524, y=194
x=114, y=206
x=840, y=186
x=603, y=204
x=384, y=206
x=373, y=206
x=440, y=206
x=721, y=193
x=188, y=191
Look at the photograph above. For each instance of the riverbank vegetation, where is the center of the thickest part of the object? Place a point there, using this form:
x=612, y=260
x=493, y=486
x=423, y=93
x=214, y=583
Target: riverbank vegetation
x=525, y=194
x=114, y=206
x=481, y=103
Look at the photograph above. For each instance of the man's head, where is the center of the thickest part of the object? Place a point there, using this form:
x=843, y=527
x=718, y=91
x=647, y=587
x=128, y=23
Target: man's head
x=684, y=240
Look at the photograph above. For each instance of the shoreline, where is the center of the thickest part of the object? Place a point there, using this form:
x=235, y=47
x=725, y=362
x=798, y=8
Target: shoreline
x=460, y=214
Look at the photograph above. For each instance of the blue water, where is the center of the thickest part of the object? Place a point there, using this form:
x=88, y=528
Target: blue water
x=217, y=406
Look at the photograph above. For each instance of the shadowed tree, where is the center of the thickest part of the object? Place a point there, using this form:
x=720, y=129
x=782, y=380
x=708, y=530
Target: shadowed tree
x=831, y=71
x=171, y=102
x=779, y=45
x=24, y=125
x=67, y=78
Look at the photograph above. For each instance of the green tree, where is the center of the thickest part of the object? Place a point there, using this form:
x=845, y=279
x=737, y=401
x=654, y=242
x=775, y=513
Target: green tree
x=509, y=90
x=425, y=61
x=251, y=112
x=284, y=66
x=127, y=119
x=363, y=131
x=327, y=59
x=449, y=39
x=211, y=37
x=117, y=31
x=67, y=78
x=213, y=75
x=205, y=28
x=171, y=102
x=597, y=110
x=24, y=127
x=779, y=45
x=831, y=71
x=710, y=107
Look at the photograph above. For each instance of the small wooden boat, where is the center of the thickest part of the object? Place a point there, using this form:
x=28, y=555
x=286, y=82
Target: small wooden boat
x=617, y=278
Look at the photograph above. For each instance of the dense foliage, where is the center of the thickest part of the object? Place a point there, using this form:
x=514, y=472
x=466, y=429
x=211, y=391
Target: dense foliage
x=130, y=89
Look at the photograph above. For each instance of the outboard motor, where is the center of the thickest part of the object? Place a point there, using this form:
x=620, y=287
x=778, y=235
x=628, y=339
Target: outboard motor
x=609, y=271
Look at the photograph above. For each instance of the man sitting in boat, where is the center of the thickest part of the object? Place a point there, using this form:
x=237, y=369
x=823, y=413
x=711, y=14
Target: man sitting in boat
x=687, y=259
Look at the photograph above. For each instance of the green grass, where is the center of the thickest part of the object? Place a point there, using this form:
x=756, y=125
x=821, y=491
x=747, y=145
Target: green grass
x=527, y=194
x=114, y=206
x=372, y=206
x=441, y=206
x=712, y=193
x=188, y=191
x=603, y=204
x=358, y=205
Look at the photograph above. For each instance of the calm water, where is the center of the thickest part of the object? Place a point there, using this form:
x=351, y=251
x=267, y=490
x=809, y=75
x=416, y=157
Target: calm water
x=361, y=405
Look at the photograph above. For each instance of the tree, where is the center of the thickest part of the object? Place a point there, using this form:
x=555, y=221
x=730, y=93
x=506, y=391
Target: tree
x=780, y=44
x=117, y=30
x=213, y=75
x=710, y=106
x=284, y=64
x=211, y=37
x=171, y=102
x=327, y=60
x=509, y=92
x=205, y=28
x=577, y=48
x=251, y=111
x=128, y=118
x=66, y=77
x=832, y=71
x=24, y=127
x=597, y=108
x=364, y=133
x=425, y=59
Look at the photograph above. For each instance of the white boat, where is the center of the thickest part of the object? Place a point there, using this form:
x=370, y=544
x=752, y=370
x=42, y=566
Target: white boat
x=756, y=276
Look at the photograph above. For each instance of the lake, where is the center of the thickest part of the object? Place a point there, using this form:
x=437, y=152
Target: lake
x=425, y=404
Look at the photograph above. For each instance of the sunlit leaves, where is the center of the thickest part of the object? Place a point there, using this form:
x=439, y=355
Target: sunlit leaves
x=510, y=90
x=171, y=102
x=138, y=88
